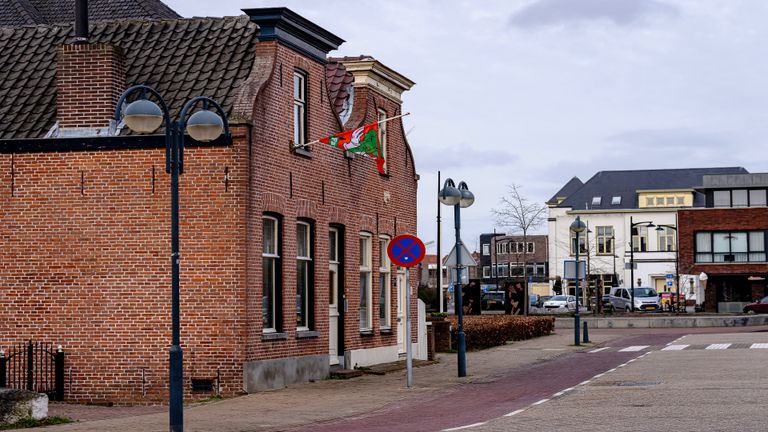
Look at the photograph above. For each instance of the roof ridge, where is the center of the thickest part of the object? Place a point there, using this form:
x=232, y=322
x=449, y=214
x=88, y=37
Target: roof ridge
x=669, y=169
x=127, y=21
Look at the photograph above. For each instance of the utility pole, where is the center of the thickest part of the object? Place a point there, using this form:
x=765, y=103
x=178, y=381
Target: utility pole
x=439, y=257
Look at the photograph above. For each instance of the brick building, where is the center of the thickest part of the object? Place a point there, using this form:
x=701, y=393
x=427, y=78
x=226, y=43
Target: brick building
x=508, y=257
x=283, y=269
x=723, y=244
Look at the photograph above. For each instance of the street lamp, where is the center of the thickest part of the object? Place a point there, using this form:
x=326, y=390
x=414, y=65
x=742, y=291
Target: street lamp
x=145, y=116
x=577, y=227
x=677, y=259
x=632, y=226
x=614, y=281
x=459, y=198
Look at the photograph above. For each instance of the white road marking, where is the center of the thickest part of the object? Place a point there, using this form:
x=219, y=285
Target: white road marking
x=718, y=346
x=465, y=427
x=598, y=375
x=584, y=382
x=568, y=389
x=539, y=402
x=634, y=348
x=675, y=347
x=759, y=346
x=514, y=413
x=598, y=350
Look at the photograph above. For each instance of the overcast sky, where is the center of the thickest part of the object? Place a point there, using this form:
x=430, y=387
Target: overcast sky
x=534, y=92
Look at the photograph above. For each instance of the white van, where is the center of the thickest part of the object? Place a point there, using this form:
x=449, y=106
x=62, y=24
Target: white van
x=646, y=299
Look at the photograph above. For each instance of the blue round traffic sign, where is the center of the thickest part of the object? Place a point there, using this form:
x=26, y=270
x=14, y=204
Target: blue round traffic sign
x=406, y=250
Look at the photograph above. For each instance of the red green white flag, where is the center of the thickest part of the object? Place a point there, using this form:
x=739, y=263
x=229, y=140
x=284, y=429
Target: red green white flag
x=363, y=140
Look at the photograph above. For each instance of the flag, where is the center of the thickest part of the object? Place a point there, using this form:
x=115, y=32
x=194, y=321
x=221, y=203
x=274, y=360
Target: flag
x=363, y=140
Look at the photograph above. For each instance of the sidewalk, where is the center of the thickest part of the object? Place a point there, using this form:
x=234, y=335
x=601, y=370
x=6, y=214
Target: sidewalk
x=329, y=400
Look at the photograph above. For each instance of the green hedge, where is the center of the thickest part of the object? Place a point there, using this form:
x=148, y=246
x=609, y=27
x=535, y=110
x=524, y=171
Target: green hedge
x=485, y=331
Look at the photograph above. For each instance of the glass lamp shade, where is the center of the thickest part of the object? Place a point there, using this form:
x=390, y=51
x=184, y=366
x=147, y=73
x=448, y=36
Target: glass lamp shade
x=578, y=226
x=205, y=126
x=449, y=195
x=467, y=197
x=143, y=116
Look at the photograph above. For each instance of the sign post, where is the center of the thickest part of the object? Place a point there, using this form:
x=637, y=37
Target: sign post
x=407, y=251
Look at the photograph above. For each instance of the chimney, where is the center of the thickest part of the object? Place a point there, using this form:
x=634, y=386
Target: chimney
x=81, y=21
x=90, y=77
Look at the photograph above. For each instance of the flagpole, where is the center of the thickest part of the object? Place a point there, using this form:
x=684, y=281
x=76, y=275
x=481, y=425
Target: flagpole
x=295, y=146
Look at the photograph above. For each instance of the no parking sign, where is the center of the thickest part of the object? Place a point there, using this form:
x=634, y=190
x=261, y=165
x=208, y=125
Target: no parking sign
x=406, y=250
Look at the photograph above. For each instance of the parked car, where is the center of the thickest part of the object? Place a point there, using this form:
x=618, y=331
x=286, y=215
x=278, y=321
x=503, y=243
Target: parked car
x=492, y=300
x=543, y=299
x=760, y=306
x=535, y=300
x=646, y=299
x=561, y=301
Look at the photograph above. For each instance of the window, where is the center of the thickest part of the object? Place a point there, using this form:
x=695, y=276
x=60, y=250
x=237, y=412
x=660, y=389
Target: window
x=604, y=240
x=597, y=200
x=531, y=247
x=722, y=198
x=304, y=275
x=680, y=200
x=382, y=115
x=666, y=239
x=486, y=272
x=486, y=249
x=640, y=239
x=334, y=261
x=271, y=274
x=670, y=201
x=649, y=201
x=659, y=201
x=503, y=270
x=739, y=197
x=582, y=244
x=299, y=107
x=516, y=269
x=733, y=246
x=385, y=285
x=757, y=198
x=501, y=248
x=365, y=282
x=616, y=200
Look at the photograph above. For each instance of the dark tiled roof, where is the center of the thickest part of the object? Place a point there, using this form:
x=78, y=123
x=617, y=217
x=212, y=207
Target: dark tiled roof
x=572, y=186
x=607, y=184
x=339, y=84
x=179, y=58
x=26, y=12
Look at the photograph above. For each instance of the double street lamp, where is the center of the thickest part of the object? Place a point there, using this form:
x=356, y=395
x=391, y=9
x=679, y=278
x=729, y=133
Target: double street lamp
x=632, y=225
x=577, y=227
x=459, y=198
x=145, y=116
x=660, y=228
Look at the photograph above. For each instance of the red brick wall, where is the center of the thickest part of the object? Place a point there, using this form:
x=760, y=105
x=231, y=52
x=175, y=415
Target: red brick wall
x=85, y=263
x=338, y=190
x=89, y=80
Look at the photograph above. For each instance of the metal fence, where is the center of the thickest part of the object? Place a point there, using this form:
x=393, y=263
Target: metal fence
x=38, y=367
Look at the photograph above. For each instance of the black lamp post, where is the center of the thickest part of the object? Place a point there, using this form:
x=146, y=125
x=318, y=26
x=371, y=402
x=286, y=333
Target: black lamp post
x=661, y=227
x=145, y=116
x=459, y=198
x=632, y=226
x=614, y=281
x=577, y=227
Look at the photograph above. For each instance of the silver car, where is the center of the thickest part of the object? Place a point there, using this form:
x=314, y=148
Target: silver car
x=646, y=299
x=561, y=301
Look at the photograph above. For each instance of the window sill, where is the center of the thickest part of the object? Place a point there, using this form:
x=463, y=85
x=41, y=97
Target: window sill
x=273, y=336
x=386, y=331
x=366, y=332
x=303, y=152
x=307, y=334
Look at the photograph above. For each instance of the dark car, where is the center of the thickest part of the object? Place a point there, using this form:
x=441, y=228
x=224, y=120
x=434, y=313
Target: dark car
x=492, y=300
x=760, y=306
x=535, y=300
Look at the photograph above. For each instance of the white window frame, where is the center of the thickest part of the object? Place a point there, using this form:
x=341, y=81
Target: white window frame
x=366, y=281
x=604, y=239
x=597, y=200
x=486, y=272
x=274, y=258
x=299, y=107
x=304, y=261
x=382, y=115
x=385, y=288
x=486, y=249
x=665, y=238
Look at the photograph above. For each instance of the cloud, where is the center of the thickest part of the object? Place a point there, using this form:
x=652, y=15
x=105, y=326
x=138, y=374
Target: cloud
x=463, y=156
x=546, y=13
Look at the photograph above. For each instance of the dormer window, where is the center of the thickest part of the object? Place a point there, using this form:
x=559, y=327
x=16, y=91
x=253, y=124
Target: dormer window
x=615, y=200
x=597, y=200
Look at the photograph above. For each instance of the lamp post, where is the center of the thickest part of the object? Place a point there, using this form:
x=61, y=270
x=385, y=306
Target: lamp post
x=614, y=282
x=577, y=227
x=659, y=228
x=459, y=198
x=145, y=116
x=632, y=226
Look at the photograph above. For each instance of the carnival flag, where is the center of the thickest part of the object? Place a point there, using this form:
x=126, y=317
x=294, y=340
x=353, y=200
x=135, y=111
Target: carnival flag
x=363, y=140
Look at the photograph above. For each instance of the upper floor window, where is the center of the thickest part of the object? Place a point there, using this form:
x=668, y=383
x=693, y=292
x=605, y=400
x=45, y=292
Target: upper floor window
x=739, y=198
x=730, y=246
x=604, y=240
x=597, y=200
x=299, y=107
x=486, y=249
x=501, y=248
x=582, y=243
x=616, y=200
x=640, y=238
x=382, y=115
x=486, y=272
x=666, y=239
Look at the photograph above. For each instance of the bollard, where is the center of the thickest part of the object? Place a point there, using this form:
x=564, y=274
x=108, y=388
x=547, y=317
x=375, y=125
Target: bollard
x=586, y=333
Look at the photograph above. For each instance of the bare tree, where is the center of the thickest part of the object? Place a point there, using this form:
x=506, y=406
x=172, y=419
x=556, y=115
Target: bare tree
x=521, y=216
